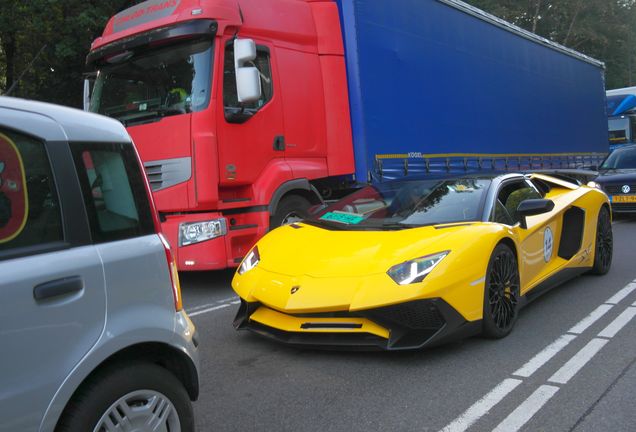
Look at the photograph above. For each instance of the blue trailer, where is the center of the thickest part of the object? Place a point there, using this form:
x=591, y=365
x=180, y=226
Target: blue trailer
x=438, y=85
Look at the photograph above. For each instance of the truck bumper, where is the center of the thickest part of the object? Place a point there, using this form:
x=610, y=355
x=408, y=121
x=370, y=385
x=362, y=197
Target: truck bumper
x=243, y=230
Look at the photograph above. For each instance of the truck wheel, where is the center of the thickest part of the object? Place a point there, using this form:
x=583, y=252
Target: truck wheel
x=501, y=294
x=292, y=208
x=137, y=397
x=603, y=248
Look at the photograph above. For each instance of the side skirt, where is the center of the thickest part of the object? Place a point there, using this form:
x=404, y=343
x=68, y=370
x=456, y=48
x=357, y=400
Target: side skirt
x=556, y=279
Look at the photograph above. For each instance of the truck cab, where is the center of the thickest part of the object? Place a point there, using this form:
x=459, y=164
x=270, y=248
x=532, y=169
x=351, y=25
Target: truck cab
x=239, y=113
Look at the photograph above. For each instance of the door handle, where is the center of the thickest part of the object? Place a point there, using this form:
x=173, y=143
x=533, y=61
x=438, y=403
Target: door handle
x=58, y=287
x=279, y=143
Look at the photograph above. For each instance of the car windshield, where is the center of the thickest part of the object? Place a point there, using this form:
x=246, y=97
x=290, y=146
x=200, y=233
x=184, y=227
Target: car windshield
x=621, y=159
x=407, y=204
x=160, y=82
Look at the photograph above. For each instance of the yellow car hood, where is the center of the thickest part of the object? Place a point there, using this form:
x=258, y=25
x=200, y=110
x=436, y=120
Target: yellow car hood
x=318, y=252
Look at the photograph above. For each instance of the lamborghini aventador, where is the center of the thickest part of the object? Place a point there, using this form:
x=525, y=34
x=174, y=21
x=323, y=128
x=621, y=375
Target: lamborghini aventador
x=419, y=261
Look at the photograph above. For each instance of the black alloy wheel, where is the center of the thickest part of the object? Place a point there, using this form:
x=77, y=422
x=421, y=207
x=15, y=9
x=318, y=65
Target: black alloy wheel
x=604, y=248
x=502, y=292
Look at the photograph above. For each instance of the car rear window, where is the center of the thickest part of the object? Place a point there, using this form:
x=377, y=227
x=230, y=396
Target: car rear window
x=114, y=192
x=29, y=208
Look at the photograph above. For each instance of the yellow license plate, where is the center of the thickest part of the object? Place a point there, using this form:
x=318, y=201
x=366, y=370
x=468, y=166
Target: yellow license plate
x=624, y=198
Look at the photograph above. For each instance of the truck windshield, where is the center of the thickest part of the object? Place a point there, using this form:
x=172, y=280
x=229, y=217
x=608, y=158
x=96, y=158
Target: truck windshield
x=407, y=204
x=155, y=83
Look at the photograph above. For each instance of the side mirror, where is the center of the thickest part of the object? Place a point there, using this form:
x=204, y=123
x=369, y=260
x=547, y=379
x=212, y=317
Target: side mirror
x=248, y=79
x=531, y=207
x=89, y=81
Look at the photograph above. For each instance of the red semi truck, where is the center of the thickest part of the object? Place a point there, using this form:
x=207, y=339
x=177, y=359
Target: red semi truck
x=224, y=171
x=247, y=112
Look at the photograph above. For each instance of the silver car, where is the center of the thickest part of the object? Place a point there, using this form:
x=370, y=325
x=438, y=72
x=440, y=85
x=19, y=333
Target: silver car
x=93, y=336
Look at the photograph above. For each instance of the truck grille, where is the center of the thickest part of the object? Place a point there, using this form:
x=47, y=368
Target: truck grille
x=168, y=172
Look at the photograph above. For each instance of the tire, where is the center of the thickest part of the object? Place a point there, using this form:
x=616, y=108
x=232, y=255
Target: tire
x=129, y=396
x=292, y=208
x=603, y=244
x=501, y=293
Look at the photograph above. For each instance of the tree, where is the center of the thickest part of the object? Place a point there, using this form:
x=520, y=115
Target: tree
x=66, y=29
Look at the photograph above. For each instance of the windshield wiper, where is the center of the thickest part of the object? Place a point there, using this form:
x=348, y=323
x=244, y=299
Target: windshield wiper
x=396, y=226
x=152, y=115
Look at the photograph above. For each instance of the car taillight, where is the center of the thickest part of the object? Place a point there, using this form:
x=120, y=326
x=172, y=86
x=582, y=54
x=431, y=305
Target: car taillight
x=174, y=275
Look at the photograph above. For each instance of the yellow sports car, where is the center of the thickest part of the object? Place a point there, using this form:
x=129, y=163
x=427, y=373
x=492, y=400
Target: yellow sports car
x=415, y=262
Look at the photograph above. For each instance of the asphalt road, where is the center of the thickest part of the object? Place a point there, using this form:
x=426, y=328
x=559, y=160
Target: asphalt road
x=569, y=365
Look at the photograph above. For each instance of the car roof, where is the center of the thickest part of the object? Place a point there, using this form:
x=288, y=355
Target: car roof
x=625, y=147
x=60, y=123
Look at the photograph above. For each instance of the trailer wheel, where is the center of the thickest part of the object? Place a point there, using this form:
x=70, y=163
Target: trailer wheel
x=292, y=208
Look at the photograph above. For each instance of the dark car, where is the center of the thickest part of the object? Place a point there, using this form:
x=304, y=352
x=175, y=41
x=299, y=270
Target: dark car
x=617, y=177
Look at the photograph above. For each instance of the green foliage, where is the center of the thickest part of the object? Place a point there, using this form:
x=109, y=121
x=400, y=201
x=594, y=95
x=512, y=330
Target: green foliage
x=604, y=29
x=65, y=28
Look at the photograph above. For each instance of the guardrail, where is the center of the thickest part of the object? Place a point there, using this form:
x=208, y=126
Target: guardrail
x=390, y=166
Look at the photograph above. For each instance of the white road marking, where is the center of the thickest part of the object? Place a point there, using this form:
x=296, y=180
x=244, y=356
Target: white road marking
x=524, y=412
x=203, y=306
x=544, y=356
x=616, y=298
x=199, y=312
x=596, y=314
x=482, y=406
x=527, y=409
x=576, y=363
x=620, y=322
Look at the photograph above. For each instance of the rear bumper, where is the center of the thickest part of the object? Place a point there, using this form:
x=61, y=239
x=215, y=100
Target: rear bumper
x=410, y=325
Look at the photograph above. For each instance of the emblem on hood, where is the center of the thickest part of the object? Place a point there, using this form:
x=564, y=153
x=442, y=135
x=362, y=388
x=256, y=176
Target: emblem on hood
x=626, y=189
x=294, y=289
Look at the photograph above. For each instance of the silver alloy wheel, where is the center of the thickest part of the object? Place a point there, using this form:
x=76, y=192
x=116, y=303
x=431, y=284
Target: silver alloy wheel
x=140, y=411
x=291, y=218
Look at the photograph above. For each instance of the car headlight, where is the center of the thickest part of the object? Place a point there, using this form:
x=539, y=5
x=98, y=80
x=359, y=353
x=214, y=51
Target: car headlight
x=415, y=270
x=196, y=232
x=593, y=184
x=250, y=261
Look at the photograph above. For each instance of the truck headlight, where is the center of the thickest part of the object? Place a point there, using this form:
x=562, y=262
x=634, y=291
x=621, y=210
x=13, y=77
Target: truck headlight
x=196, y=232
x=415, y=270
x=250, y=261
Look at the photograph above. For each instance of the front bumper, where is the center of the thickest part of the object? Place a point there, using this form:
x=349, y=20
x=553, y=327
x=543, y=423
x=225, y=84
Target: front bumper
x=623, y=208
x=409, y=325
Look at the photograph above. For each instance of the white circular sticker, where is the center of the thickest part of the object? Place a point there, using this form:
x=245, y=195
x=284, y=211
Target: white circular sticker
x=548, y=244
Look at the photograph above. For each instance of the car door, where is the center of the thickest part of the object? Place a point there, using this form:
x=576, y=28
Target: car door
x=51, y=278
x=536, y=240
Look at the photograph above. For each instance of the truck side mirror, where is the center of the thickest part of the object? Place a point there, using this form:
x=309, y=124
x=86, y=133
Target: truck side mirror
x=248, y=79
x=87, y=94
